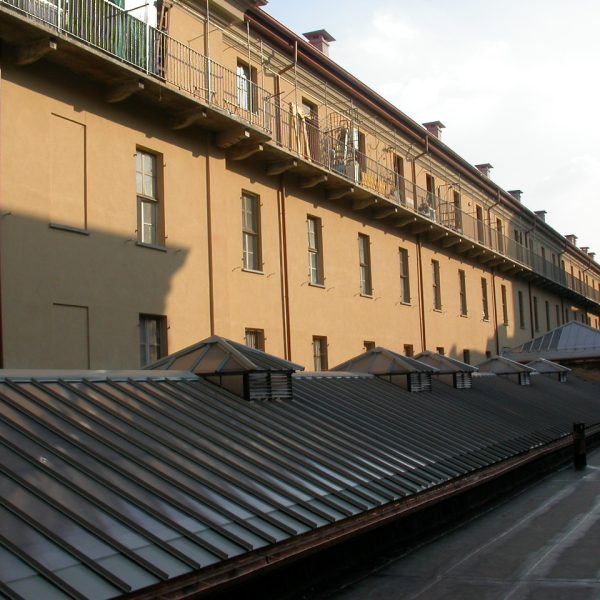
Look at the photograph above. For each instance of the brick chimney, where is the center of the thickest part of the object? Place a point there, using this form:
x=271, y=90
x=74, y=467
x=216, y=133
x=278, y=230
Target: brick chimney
x=571, y=237
x=540, y=214
x=516, y=194
x=435, y=128
x=585, y=249
x=320, y=39
x=484, y=169
x=592, y=255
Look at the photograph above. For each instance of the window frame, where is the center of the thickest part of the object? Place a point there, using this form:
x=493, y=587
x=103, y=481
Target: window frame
x=151, y=201
x=485, y=301
x=316, y=273
x=246, y=86
x=462, y=293
x=251, y=235
x=320, y=354
x=159, y=322
x=259, y=336
x=436, y=285
x=404, y=276
x=521, y=309
x=504, y=304
x=364, y=262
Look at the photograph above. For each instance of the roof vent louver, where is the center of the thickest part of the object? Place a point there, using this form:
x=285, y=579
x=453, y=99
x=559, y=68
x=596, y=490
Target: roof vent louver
x=419, y=382
x=462, y=381
x=500, y=365
x=449, y=370
x=524, y=379
x=246, y=372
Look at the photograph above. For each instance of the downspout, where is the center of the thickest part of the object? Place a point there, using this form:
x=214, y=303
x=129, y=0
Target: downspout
x=421, y=298
x=496, y=335
x=283, y=268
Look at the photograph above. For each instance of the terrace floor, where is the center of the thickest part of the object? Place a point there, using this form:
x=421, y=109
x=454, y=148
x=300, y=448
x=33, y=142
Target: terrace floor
x=542, y=544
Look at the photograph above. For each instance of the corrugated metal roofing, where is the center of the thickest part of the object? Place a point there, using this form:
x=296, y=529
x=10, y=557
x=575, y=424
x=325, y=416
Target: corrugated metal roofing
x=569, y=341
x=444, y=364
x=381, y=361
x=219, y=355
x=115, y=484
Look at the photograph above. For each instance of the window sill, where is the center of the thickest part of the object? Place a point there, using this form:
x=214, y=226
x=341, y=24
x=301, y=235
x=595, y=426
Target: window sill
x=68, y=228
x=151, y=246
x=366, y=296
x=253, y=271
x=464, y=316
x=405, y=303
x=317, y=285
x=437, y=310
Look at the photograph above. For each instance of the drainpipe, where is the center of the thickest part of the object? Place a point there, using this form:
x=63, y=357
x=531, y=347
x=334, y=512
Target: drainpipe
x=421, y=297
x=283, y=268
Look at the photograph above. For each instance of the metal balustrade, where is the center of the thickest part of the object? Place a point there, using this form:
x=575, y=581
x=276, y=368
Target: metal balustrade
x=111, y=29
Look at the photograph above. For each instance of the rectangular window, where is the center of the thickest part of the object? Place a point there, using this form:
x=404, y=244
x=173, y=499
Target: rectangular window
x=484, y=299
x=315, y=251
x=153, y=338
x=148, y=199
x=566, y=315
x=504, y=304
x=247, y=92
x=457, y=211
x=320, y=352
x=500, y=235
x=404, y=277
x=521, y=311
x=364, y=258
x=462, y=286
x=368, y=345
x=255, y=338
x=547, y=315
x=536, y=322
x=399, y=176
x=480, y=224
x=310, y=124
x=557, y=315
x=467, y=356
x=431, y=198
x=409, y=350
x=440, y=350
x=543, y=250
x=251, y=232
x=437, y=291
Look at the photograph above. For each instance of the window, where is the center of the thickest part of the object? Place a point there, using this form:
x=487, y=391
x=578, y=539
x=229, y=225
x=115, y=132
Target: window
x=251, y=232
x=399, y=176
x=519, y=244
x=500, y=236
x=488, y=354
x=368, y=345
x=409, y=350
x=521, y=312
x=543, y=260
x=566, y=315
x=246, y=87
x=536, y=322
x=320, y=352
x=430, y=184
x=467, y=356
x=255, y=338
x=557, y=315
x=364, y=258
x=462, y=284
x=404, y=277
x=457, y=211
x=315, y=251
x=484, y=299
x=148, y=199
x=153, y=338
x=440, y=350
x=547, y=315
x=480, y=224
x=504, y=304
x=310, y=124
x=437, y=291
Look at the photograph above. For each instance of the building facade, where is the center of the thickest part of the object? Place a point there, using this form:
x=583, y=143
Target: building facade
x=203, y=170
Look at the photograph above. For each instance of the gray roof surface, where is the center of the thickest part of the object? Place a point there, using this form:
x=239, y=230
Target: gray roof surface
x=219, y=355
x=381, y=361
x=500, y=365
x=115, y=484
x=444, y=364
x=569, y=341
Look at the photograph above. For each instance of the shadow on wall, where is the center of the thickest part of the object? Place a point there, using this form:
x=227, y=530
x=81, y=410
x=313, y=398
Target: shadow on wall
x=77, y=299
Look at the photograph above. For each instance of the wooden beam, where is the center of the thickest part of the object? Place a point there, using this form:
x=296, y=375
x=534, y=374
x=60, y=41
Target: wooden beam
x=337, y=193
x=188, y=117
x=385, y=211
x=464, y=248
x=495, y=262
x=233, y=136
x=122, y=91
x=437, y=235
x=404, y=221
x=475, y=252
x=243, y=151
x=452, y=241
x=309, y=182
x=361, y=203
x=281, y=166
x=30, y=53
x=421, y=227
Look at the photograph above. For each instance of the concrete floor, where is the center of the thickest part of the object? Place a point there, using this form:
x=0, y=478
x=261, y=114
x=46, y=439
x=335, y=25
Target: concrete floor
x=543, y=544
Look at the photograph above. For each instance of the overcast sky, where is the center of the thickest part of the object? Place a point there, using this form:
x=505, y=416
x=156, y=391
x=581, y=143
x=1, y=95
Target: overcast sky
x=516, y=83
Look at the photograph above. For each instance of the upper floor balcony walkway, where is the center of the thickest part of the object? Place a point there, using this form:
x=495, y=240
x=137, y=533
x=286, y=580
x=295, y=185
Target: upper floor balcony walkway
x=333, y=152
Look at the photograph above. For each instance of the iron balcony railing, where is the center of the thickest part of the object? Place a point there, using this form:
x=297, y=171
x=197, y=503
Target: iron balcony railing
x=111, y=29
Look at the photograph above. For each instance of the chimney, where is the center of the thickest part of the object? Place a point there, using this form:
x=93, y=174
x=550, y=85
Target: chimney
x=484, y=169
x=516, y=194
x=320, y=39
x=585, y=249
x=435, y=128
x=572, y=238
x=592, y=255
x=540, y=214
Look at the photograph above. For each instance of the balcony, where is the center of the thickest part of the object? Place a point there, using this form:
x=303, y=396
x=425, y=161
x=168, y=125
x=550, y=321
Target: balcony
x=329, y=156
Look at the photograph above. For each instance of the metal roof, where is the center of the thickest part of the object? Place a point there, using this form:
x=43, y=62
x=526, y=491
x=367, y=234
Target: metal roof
x=219, y=355
x=381, y=361
x=569, y=341
x=500, y=365
x=444, y=364
x=115, y=484
x=541, y=365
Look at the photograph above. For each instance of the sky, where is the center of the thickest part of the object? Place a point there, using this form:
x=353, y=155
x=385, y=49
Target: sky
x=516, y=83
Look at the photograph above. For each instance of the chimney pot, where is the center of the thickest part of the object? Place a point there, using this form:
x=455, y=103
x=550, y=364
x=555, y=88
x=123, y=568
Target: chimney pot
x=571, y=237
x=540, y=214
x=516, y=194
x=435, y=128
x=592, y=255
x=585, y=249
x=320, y=39
x=484, y=169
